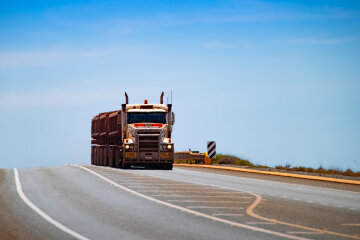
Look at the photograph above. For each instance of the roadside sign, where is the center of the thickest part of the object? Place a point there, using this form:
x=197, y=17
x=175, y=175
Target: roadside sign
x=211, y=146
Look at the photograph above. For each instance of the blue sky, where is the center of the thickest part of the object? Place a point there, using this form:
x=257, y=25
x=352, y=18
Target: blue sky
x=275, y=82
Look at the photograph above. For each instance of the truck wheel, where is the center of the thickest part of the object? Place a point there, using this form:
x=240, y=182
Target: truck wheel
x=125, y=166
x=168, y=166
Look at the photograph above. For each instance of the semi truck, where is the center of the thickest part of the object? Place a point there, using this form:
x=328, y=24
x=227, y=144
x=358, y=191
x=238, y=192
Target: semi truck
x=138, y=135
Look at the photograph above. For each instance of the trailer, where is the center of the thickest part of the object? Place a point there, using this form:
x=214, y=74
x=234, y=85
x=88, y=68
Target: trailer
x=138, y=135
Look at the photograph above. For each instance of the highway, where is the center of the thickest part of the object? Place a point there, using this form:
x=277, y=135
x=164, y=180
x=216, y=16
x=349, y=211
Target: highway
x=91, y=202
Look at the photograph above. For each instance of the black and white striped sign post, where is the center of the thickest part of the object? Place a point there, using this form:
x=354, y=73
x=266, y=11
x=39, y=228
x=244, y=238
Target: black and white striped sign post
x=211, y=146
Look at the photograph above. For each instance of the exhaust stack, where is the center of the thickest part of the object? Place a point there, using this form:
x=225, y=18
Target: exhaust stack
x=162, y=98
x=127, y=98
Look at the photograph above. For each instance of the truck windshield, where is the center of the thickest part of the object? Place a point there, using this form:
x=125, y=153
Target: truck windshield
x=146, y=117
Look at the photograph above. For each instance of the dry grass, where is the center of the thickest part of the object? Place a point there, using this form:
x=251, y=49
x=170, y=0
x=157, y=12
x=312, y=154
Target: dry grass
x=233, y=160
x=320, y=170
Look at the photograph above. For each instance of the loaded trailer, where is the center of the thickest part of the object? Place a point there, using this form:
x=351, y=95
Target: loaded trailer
x=138, y=135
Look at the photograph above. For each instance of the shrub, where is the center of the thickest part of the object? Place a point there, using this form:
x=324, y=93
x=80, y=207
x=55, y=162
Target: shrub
x=228, y=159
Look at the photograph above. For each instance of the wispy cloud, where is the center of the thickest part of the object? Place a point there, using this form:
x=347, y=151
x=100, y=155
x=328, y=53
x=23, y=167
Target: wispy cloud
x=216, y=44
x=255, y=11
x=76, y=96
x=45, y=57
x=56, y=98
x=323, y=41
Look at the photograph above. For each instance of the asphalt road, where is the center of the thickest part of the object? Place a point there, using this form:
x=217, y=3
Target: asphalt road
x=89, y=202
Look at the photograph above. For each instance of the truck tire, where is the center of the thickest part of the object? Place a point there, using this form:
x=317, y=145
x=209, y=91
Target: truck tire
x=167, y=166
x=125, y=165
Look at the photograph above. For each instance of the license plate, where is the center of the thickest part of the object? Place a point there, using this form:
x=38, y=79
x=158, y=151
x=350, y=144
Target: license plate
x=130, y=155
x=165, y=155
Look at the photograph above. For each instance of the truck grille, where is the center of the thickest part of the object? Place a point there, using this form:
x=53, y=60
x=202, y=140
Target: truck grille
x=149, y=142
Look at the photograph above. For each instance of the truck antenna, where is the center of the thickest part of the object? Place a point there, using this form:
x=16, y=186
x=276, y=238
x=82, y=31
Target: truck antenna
x=162, y=98
x=127, y=98
x=171, y=96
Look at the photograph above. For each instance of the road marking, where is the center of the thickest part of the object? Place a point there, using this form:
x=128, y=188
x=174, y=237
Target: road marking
x=268, y=181
x=250, y=209
x=204, y=201
x=250, y=212
x=196, y=213
x=184, y=191
x=296, y=232
x=132, y=178
x=293, y=175
x=41, y=213
x=194, y=196
x=172, y=184
x=251, y=223
x=136, y=181
x=228, y=214
x=194, y=207
x=137, y=186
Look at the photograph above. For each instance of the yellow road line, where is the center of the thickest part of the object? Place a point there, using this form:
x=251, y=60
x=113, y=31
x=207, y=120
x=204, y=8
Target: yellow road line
x=249, y=210
x=293, y=175
x=196, y=213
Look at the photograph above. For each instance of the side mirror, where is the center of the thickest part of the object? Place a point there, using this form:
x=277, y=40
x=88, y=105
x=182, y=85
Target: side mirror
x=172, y=118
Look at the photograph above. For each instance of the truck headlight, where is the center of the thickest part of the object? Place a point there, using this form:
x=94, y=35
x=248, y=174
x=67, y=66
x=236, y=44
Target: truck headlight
x=169, y=146
x=127, y=146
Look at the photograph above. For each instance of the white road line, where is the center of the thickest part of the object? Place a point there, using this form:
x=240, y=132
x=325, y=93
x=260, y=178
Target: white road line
x=253, y=206
x=204, y=201
x=268, y=181
x=194, y=207
x=196, y=213
x=195, y=196
x=139, y=186
x=184, y=191
x=254, y=223
x=228, y=214
x=166, y=184
x=136, y=181
x=41, y=213
x=297, y=232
